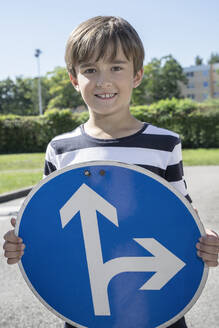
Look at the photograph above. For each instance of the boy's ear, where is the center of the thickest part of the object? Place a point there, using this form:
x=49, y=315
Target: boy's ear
x=74, y=82
x=138, y=78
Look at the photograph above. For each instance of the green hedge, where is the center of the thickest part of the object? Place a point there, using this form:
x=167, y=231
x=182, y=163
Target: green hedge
x=197, y=125
x=23, y=134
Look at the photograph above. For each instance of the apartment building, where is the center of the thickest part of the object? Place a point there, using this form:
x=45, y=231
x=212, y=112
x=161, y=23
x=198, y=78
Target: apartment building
x=203, y=82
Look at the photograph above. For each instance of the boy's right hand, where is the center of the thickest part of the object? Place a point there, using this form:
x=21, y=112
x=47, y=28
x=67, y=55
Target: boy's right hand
x=13, y=246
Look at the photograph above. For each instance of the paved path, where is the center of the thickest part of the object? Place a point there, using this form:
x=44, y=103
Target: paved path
x=19, y=308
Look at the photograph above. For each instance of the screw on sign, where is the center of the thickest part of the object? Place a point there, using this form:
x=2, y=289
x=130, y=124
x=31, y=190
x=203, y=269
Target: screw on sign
x=114, y=259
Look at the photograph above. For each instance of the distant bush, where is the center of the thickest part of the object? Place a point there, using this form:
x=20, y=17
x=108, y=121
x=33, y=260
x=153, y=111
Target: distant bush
x=27, y=134
x=197, y=124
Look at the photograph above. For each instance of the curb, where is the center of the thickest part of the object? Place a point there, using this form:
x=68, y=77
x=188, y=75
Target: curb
x=15, y=194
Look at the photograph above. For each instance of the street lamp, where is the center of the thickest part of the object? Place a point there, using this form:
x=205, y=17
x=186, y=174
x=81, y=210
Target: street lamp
x=37, y=55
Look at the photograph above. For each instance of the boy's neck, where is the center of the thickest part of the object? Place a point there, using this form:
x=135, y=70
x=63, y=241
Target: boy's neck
x=112, y=126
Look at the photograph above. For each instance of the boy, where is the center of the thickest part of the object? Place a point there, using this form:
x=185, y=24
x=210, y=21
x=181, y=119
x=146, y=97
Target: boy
x=104, y=57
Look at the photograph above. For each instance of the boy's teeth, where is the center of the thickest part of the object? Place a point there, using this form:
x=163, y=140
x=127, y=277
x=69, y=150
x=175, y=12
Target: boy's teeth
x=107, y=95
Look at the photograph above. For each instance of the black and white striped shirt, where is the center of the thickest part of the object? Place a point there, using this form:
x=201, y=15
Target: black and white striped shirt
x=153, y=148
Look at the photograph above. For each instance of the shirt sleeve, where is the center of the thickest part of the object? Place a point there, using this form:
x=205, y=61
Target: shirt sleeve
x=174, y=171
x=50, y=161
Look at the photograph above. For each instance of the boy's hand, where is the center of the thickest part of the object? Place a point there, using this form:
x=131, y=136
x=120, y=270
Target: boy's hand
x=13, y=246
x=208, y=248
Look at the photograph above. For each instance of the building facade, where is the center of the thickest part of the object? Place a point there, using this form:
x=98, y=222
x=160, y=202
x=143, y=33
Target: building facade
x=203, y=82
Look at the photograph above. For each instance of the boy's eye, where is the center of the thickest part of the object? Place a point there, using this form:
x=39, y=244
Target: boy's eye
x=90, y=70
x=116, y=68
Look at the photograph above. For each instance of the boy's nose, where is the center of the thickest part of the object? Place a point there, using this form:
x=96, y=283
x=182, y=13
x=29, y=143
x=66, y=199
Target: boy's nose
x=104, y=84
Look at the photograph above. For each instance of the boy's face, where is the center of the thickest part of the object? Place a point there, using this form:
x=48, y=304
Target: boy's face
x=105, y=86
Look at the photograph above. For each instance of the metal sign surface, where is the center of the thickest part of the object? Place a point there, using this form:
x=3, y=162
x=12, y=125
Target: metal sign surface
x=111, y=245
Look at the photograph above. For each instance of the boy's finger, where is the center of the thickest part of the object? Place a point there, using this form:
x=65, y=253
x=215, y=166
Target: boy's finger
x=211, y=233
x=209, y=240
x=208, y=257
x=210, y=249
x=12, y=247
x=13, y=261
x=13, y=222
x=211, y=264
x=13, y=255
x=12, y=238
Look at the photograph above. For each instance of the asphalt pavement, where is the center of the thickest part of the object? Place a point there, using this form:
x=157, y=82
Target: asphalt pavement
x=19, y=308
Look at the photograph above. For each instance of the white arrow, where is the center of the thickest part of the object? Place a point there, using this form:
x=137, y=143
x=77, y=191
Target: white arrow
x=164, y=263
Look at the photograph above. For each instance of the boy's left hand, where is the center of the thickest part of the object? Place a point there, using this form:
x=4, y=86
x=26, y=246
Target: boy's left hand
x=208, y=248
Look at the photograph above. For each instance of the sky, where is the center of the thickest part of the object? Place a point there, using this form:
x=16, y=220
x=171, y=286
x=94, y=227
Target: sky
x=183, y=28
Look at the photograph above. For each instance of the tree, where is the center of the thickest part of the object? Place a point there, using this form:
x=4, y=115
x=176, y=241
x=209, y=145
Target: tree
x=20, y=97
x=15, y=96
x=161, y=80
x=7, y=90
x=172, y=74
x=62, y=93
x=198, y=60
x=214, y=58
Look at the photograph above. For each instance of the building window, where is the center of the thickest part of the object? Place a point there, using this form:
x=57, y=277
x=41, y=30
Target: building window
x=205, y=96
x=191, y=96
x=190, y=74
x=205, y=73
x=205, y=84
x=190, y=85
x=216, y=94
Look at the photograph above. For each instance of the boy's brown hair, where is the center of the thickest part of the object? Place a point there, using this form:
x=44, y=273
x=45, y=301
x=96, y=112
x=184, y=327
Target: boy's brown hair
x=98, y=33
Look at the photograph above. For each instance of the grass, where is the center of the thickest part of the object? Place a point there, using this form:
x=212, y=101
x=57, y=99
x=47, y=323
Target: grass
x=21, y=161
x=20, y=170
x=200, y=156
x=15, y=180
x=23, y=170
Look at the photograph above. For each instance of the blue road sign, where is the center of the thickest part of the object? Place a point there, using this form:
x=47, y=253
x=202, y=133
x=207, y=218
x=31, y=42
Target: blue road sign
x=111, y=245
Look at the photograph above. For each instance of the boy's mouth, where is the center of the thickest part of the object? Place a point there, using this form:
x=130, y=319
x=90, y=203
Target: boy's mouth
x=106, y=95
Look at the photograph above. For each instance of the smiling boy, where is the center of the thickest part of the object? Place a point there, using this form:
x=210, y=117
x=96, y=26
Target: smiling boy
x=106, y=87
x=104, y=57
x=99, y=57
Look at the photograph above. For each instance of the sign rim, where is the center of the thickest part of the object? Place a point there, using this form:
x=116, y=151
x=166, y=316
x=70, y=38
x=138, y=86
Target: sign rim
x=131, y=167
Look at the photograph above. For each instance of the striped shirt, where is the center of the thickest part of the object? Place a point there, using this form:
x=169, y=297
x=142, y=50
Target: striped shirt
x=155, y=149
